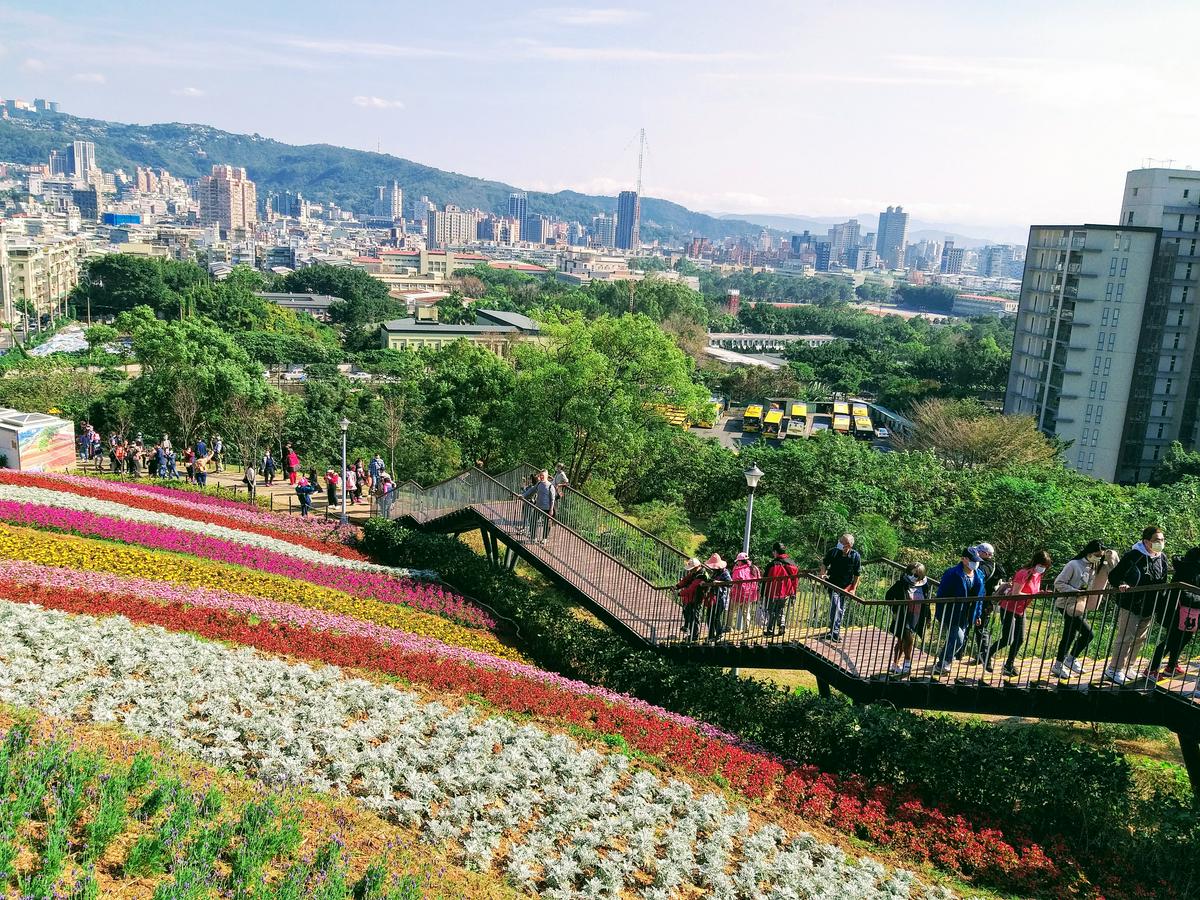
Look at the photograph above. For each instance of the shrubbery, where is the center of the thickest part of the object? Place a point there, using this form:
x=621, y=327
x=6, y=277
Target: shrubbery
x=1029, y=780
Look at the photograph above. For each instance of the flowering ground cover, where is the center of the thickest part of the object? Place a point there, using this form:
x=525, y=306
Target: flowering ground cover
x=556, y=818
x=318, y=534
x=80, y=515
x=84, y=555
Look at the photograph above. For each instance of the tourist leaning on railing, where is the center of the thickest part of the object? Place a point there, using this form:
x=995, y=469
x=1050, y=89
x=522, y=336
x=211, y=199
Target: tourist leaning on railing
x=783, y=581
x=994, y=579
x=841, y=567
x=1077, y=577
x=1181, y=617
x=910, y=615
x=1026, y=582
x=1143, y=566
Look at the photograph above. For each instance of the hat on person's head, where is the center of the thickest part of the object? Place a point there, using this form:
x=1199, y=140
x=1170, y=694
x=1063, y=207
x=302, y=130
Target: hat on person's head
x=985, y=547
x=741, y=556
x=778, y=549
x=692, y=563
x=714, y=562
x=970, y=553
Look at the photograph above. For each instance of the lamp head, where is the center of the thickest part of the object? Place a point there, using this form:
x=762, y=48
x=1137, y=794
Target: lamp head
x=752, y=475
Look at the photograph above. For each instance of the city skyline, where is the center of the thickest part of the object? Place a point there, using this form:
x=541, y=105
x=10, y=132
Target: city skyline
x=965, y=103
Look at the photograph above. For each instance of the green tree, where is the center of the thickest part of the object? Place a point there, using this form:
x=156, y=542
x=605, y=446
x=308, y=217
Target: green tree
x=364, y=300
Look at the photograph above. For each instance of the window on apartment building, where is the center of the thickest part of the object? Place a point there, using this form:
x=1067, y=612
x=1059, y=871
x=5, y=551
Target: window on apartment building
x=1079, y=459
x=1175, y=342
x=1087, y=414
x=1186, y=191
x=1124, y=265
x=1107, y=365
x=1135, y=192
x=1103, y=389
x=1187, y=273
x=1160, y=429
x=1108, y=292
x=1129, y=218
x=1100, y=341
x=1167, y=388
x=1180, y=228
x=1196, y=224
x=1183, y=297
x=1091, y=463
x=1092, y=388
x=1171, y=366
x=1154, y=455
x=1120, y=292
x=1112, y=341
x=1112, y=266
x=1163, y=411
x=1180, y=319
x=1128, y=241
x=1116, y=316
x=1104, y=317
x=1099, y=413
x=1096, y=365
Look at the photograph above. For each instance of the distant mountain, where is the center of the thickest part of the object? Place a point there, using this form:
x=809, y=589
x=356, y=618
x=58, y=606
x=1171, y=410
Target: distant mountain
x=323, y=172
x=917, y=230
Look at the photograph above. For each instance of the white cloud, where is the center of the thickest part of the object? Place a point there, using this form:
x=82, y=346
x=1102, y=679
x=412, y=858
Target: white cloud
x=376, y=102
x=33, y=65
x=374, y=50
x=592, y=17
x=536, y=50
x=90, y=78
x=188, y=92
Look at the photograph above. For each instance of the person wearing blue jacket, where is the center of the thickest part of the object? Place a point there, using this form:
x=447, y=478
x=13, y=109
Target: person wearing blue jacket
x=956, y=610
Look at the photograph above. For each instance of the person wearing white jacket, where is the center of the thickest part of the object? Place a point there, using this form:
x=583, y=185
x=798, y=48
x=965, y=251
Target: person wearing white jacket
x=1076, y=577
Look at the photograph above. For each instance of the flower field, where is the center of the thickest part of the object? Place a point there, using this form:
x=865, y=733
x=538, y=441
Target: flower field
x=553, y=786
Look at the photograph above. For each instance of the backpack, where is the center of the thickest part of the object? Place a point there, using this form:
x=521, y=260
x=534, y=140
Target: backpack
x=786, y=572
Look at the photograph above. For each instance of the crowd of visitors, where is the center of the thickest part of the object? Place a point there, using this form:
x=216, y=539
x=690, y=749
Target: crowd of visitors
x=967, y=603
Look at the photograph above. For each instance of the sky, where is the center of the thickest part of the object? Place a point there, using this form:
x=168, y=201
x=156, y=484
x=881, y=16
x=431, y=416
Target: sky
x=974, y=112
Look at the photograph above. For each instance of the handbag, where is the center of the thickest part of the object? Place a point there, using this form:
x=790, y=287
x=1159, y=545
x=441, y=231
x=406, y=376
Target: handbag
x=1189, y=618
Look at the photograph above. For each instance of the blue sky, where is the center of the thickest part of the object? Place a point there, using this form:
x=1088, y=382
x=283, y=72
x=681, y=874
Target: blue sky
x=971, y=112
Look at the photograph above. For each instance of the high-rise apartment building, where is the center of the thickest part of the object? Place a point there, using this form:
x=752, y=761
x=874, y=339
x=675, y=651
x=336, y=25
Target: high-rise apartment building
x=604, y=230
x=389, y=202
x=228, y=199
x=83, y=158
x=952, y=258
x=518, y=205
x=629, y=216
x=892, y=236
x=842, y=238
x=451, y=227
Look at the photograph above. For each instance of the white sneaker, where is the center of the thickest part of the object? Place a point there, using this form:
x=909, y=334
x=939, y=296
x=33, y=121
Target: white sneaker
x=1115, y=677
x=939, y=669
x=1058, y=670
x=1074, y=665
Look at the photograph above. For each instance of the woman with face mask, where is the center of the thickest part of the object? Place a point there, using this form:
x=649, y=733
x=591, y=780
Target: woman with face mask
x=1025, y=582
x=1143, y=566
x=910, y=614
x=1182, y=619
x=1076, y=577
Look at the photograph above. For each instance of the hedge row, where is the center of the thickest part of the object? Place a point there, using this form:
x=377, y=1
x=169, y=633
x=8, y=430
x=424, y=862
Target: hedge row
x=1029, y=780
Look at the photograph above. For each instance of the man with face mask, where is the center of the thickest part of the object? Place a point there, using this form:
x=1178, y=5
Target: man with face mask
x=958, y=605
x=1144, y=565
x=841, y=567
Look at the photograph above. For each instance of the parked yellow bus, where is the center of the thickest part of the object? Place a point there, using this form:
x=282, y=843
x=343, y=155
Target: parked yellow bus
x=841, y=409
x=841, y=423
x=862, y=428
x=773, y=423
x=752, y=418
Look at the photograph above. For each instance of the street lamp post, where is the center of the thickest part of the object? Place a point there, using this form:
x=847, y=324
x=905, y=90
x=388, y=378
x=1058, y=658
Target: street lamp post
x=345, y=423
x=752, y=476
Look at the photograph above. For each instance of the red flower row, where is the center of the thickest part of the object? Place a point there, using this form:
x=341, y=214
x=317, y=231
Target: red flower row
x=99, y=491
x=882, y=815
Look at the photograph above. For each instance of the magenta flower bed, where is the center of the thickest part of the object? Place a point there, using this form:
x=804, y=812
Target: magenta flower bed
x=426, y=596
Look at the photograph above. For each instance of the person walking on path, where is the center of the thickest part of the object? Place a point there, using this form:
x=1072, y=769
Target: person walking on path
x=304, y=491
x=561, y=482
x=218, y=453
x=781, y=584
x=716, y=600
x=1074, y=602
x=200, y=468
x=374, y=472
x=291, y=464
x=541, y=495
x=995, y=578
x=910, y=614
x=841, y=567
x=1181, y=620
x=331, y=485
x=1025, y=583
x=352, y=484
x=958, y=605
x=250, y=480
x=268, y=468
x=1145, y=565
x=743, y=598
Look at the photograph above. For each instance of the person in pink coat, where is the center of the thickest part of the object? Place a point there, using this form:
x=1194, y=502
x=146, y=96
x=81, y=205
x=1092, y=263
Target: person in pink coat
x=1025, y=583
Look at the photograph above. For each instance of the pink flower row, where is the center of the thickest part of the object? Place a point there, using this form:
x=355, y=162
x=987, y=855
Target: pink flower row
x=307, y=526
x=433, y=598
x=69, y=579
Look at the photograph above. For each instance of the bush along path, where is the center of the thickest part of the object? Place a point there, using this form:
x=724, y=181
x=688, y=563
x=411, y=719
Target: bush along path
x=1077, y=801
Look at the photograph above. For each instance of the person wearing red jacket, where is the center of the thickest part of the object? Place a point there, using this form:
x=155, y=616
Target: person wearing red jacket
x=689, y=587
x=1025, y=583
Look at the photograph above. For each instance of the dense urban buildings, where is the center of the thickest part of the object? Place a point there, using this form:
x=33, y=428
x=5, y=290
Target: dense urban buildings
x=228, y=199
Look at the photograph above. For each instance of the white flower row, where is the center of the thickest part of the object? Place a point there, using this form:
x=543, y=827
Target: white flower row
x=556, y=818
x=66, y=500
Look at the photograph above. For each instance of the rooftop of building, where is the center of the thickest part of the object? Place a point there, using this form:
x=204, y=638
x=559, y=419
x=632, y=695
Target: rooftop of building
x=487, y=321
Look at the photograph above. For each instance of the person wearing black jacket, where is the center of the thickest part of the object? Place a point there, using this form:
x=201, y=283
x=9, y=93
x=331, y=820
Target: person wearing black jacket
x=1182, y=617
x=994, y=576
x=1143, y=566
x=910, y=614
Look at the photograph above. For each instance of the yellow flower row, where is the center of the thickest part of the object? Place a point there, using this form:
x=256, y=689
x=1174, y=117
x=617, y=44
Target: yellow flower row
x=71, y=552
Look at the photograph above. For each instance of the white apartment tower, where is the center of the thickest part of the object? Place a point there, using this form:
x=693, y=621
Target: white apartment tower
x=228, y=199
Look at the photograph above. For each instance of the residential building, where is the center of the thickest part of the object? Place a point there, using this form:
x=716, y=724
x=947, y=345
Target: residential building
x=494, y=330
x=604, y=230
x=389, y=202
x=952, y=258
x=451, y=227
x=41, y=269
x=968, y=305
x=228, y=199
x=1089, y=343
x=83, y=159
x=518, y=206
x=843, y=238
x=891, y=237
x=534, y=229
x=629, y=220
x=823, y=255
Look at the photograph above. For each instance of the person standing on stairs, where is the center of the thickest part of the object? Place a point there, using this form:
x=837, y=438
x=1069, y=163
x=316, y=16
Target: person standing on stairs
x=1074, y=603
x=541, y=495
